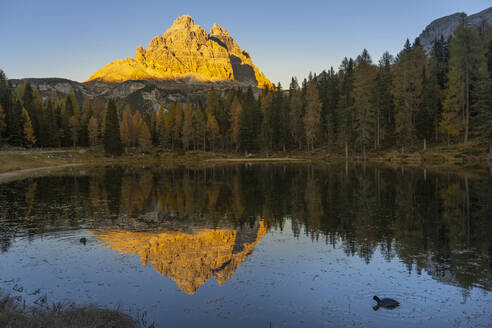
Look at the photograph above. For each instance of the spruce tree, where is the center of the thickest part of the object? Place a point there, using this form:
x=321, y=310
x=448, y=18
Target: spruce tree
x=312, y=121
x=236, y=114
x=250, y=122
x=296, y=121
x=161, y=127
x=200, y=127
x=126, y=128
x=483, y=109
x=467, y=59
x=365, y=112
x=3, y=125
x=112, y=138
x=187, y=130
x=345, y=104
x=144, y=137
x=407, y=89
x=15, y=125
x=384, y=102
x=92, y=131
x=267, y=130
x=212, y=130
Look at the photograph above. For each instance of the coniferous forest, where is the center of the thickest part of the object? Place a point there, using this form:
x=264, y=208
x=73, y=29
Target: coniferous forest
x=403, y=103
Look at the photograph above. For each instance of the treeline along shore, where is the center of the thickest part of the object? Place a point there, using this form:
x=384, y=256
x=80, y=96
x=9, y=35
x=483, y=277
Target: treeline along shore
x=414, y=107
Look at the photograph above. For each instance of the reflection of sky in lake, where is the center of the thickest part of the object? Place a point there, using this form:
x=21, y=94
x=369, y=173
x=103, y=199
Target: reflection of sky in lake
x=287, y=281
x=290, y=245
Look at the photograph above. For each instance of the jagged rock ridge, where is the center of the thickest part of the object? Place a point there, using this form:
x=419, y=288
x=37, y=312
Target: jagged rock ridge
x=445, y=26
x=187, y=51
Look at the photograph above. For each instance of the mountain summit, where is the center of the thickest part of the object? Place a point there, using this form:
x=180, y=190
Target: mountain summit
x=185, y=50
x=446, y=25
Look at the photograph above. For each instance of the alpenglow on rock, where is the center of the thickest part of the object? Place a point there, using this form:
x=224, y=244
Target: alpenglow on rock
x=446, y=25
x=187, y=51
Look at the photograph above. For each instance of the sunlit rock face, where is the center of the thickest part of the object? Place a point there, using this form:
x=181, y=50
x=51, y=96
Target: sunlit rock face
x=187, y=51
x=189, y=259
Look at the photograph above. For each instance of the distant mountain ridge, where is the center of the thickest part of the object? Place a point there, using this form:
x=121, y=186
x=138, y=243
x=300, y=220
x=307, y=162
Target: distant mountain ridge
x=446, y=25
x=185, y=50
x=144, y=95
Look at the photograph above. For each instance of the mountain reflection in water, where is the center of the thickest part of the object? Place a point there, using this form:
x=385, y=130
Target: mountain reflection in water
x=189, y=259
x=195, y=224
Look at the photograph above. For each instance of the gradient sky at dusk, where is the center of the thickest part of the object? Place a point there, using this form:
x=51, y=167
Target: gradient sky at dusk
x=73, y=39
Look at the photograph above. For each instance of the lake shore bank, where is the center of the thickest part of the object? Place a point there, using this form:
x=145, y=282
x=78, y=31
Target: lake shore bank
x=14, y=313
x=21, y=162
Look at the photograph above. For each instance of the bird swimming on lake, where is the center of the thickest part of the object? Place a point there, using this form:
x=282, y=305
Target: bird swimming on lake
x=387, y=303
x=83, y=240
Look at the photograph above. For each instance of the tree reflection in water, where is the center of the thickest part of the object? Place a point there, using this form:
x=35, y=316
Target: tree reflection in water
x=440, y=223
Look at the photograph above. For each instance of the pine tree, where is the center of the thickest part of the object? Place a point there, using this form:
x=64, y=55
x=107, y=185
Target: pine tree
x=92, y=131
x=3, y=125
x=345, y=103
x=407, y=89
x=250, y=122
x=126, y=128
x=424, y=120
x=36, y=114
x=15, y=130
x=84, y=122
x=384, y=101
x=99, y=111
x=161, y=127
x=313, y=115
x=365, y=112
x=329, y=96
x=74, y=129
x=187, y=132
x=112, y=138
x=29, y=138
x=467, y=59
x=267, y=124
x=438, y=71
x=281, y=124
x=200, y=127
x=144, y=137
x=26, y=95
x=296, y=119
x=212, y=130
x=178, y=125
x=68, y=110
x=483, y=109
x=7, y=104
x=134, y=128
x=236, y=113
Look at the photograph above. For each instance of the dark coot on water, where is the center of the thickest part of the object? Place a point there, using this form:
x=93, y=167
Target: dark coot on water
x=83, y=240
x=388, y=303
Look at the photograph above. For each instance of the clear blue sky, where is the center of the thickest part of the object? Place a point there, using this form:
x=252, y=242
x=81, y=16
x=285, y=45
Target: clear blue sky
x=72, y=39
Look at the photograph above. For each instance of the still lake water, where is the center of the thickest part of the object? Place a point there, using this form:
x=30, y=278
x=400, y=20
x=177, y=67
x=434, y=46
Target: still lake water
x=254, y=245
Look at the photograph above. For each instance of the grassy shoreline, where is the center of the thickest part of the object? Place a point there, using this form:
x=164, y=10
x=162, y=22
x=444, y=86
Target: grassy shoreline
x=16, y=162
x=14, y=313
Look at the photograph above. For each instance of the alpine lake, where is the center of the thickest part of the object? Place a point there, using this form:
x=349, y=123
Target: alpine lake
x=254, y=245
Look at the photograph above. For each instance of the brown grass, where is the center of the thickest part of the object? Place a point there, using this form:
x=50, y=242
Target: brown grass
x=14, y=315
x=459, y=155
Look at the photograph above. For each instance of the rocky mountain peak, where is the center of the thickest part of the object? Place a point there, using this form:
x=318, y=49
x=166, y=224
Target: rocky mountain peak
x=446, y=25
x=185, y=50
x=222, y=36
x=184, y=21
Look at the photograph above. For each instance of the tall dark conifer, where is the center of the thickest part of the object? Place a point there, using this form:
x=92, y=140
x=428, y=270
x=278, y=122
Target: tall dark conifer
x=112, y=138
